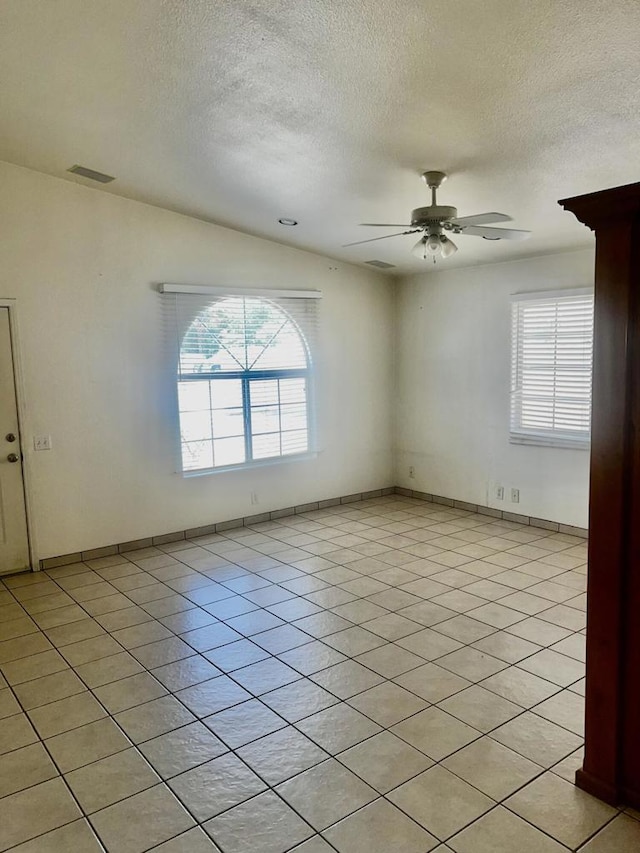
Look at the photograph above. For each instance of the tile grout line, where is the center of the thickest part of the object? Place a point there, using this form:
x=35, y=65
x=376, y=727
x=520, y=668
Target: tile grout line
x=384, y=640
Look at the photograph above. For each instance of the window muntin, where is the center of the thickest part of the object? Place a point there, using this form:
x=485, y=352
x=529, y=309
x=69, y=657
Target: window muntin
x=552, y=359
x=243, y=385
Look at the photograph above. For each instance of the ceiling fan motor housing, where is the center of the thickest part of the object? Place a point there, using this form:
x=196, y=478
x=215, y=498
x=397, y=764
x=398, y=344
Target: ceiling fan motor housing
x=435, y=213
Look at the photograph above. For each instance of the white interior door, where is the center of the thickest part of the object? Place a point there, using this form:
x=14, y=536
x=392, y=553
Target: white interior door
x=14, y=542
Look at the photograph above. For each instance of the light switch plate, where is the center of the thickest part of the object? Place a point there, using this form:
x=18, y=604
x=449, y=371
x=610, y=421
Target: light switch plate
x=42, y=442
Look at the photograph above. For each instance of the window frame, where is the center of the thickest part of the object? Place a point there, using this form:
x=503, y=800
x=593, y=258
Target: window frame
x=246, y=377
x=517, y=433
x=203, y=297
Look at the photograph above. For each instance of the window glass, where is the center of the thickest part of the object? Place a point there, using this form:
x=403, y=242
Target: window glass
x=243, y=388
x=552, y=359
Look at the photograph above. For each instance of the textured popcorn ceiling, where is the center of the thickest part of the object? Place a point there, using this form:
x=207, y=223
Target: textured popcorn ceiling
x=328, y=110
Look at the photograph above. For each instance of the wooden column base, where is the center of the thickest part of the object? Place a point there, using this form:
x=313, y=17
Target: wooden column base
x=597, y=788
x=614, y=796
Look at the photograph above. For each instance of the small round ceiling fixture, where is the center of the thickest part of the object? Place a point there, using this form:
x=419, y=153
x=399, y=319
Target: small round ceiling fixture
x=287, y=221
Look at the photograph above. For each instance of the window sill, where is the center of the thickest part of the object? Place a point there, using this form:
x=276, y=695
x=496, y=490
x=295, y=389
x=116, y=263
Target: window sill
x=258, y=463
x=544, y=441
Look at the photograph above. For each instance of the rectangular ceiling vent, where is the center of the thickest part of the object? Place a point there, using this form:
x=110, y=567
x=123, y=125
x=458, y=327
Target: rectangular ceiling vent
x=91, y=174
x=382, y=265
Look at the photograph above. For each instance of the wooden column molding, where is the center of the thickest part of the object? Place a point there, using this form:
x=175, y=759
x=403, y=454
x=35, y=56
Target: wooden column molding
x=611, y=767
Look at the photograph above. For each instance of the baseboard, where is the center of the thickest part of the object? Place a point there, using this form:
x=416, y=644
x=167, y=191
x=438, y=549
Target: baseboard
x=543, y=523
x=246, y=521
x=207, y=529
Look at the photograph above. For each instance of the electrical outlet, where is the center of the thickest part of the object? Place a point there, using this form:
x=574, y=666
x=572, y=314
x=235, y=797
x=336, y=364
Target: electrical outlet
x=42, y=442
x=499, y=493
x=412, y=472
x=254, y=499
x=515, y=496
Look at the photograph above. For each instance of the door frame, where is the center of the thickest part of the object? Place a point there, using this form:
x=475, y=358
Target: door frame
x=18, y=379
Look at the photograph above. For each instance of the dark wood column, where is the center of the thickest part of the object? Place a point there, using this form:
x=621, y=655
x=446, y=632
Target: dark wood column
x=611, y=767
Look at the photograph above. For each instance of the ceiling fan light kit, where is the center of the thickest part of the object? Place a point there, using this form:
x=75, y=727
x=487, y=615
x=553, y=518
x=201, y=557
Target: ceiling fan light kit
x=435, y=219
x=432, y=245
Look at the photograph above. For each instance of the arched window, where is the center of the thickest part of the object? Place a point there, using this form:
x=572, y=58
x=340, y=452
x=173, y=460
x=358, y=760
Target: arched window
x=243, y=385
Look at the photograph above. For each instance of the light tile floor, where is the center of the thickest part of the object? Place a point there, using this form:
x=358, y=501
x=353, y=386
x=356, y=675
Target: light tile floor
x=388, y=675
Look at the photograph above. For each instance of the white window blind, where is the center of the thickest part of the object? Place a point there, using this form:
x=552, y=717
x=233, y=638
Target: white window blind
x=551, y=368
x=243, y=362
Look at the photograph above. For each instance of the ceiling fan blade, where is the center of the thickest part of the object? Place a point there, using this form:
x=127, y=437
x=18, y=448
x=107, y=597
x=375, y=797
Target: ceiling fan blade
x=373, y=239
x=387, y=224
x=495, y=233
x=482, y=219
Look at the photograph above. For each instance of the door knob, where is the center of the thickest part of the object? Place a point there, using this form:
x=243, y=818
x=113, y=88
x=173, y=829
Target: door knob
x=13, y=457
x=10, y=436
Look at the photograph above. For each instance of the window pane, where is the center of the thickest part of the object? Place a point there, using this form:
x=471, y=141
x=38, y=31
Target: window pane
x=197, y=454
x=229, y=451
x=227, y=422
x=285, y=349
x=195, y=425
x=193, y=396
x=215, y=339
x=294, y=442
x=264, y=393
x=294, y=416
x=226, y=393
x=266, y=446
x=293, y=390
x=265, y=419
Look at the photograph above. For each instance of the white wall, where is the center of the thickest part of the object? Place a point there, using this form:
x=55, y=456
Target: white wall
x=453, y=332
x=83, y=266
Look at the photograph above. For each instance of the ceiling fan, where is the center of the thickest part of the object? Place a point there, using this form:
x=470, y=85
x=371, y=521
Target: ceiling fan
x=435, y=219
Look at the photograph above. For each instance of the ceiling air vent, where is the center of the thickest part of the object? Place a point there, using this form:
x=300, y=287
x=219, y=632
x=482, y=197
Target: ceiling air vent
x=91, y=174
x=382, y=265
